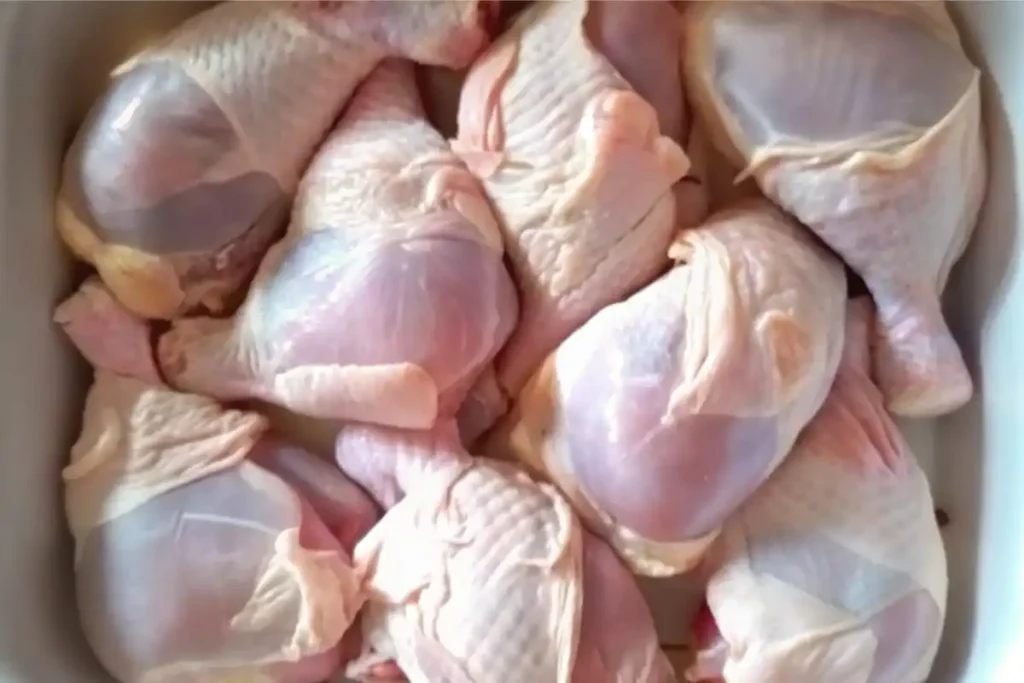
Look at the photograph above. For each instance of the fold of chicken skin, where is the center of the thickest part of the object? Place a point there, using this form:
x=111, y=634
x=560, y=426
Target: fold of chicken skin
x=192, y=562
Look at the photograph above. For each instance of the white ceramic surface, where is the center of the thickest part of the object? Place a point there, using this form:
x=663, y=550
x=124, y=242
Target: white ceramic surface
x=53, y=59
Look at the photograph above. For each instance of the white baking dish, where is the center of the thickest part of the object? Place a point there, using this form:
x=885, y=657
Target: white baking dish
x=54, y=57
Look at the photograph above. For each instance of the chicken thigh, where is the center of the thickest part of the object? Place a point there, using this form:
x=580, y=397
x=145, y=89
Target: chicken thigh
x=650, y=66
x=578, y=169
x=192, y=561
x=664, y=412
x=863, y=120
x=835, y=570
x=183, y=173
x=205, y=549
x=478, y=574
x=388, y=294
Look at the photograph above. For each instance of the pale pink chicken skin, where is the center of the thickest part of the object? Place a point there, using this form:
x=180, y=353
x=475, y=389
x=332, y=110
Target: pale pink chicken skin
x=578, y=170
x=107, y=334
x=874, y=140
x=183, y=173
x=643, y=40
x=650, y=66
x=663, y=413
x=346, y=511
x=835, y=570
x=387, y=296
x=488, y=619
x=201, y=540
x=208, y=560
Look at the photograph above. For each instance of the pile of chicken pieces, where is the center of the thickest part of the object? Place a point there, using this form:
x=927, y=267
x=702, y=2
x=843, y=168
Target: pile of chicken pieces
x=557, y=356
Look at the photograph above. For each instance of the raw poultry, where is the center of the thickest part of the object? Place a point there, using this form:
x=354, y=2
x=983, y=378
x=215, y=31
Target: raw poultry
x=204, y=547
x=579, y=172
x=835, y=570
x=182, y=175
x=661, y=414
x=657, y=389
x=874, y=142
x=388, y=294
x=478, y=574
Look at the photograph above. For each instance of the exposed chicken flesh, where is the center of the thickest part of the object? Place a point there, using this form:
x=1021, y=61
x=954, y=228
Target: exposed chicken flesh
x=106, y=334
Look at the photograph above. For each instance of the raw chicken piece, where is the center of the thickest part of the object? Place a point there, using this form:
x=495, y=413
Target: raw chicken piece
x=190, y=560
x=662, y=414
x=201, y=550
x=618, y=641
x=874, y=141
x=835, y=570
x=387, y=296
x=485, y=404
x=344, y=508
x=579, y=173
x=183, y=173
x=479, y=574
x=642, y=39
x=650, y=66
x=108, y=335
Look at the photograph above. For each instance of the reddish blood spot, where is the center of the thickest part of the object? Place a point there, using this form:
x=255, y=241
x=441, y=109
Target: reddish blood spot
x=705, y=630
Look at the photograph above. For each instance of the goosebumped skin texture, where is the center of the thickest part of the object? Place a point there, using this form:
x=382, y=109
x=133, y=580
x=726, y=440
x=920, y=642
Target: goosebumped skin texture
x=660, y=415
x=850, y=501
x=642, y=41
x=892, y=183
x=501, y=561
x=190, y=560
x=578, y=171
x=182, y=175
x=387, y=296
x=345, y=509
